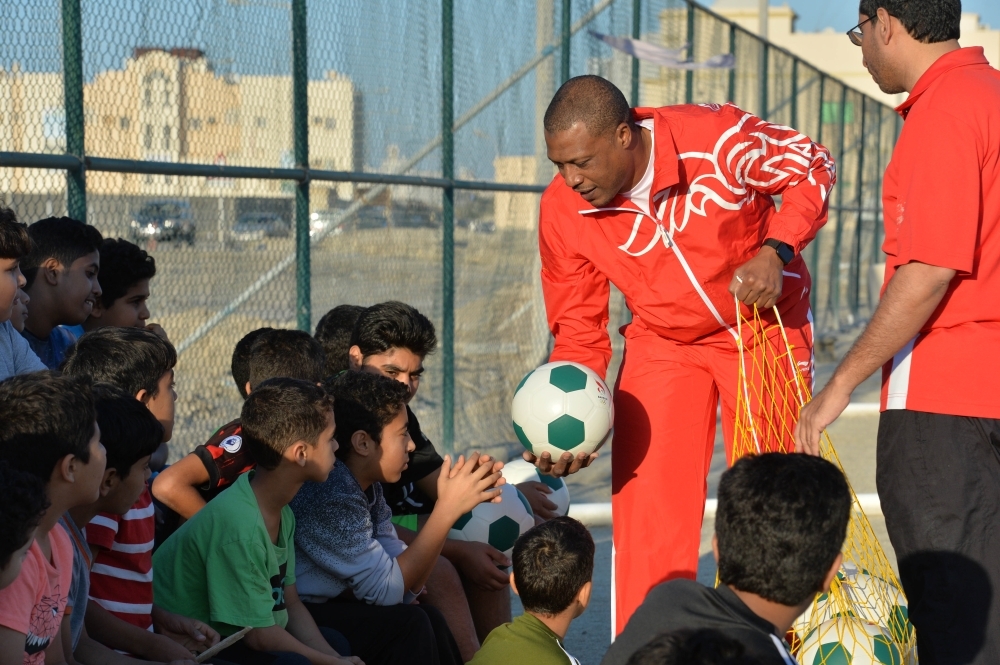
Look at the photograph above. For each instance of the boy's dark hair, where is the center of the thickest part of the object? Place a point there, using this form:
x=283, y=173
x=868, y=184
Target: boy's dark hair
x=781, y=522
x=292, y=354
x=927, y=21
x=391, y=325
x=24, y=501
x=333, y=332
x=129, y=431
x=123, y=265
x=14, y=240
x=60, y=238
x=280, y=412
x=552, y=561
x=240, y=364
x=133, y=359
x=46, y=416
x=364, y=401
x=692, y=646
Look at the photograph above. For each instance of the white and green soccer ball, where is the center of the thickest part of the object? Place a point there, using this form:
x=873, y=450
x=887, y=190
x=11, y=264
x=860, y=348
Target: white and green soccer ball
x=849, y=641
x=498, y=524
x=878, y=601
x=562, y=407
x=519, y=471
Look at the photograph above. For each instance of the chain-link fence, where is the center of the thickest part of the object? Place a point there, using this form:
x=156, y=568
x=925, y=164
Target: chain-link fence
x=282, y=157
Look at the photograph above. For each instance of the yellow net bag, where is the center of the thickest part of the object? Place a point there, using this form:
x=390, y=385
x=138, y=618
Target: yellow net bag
x=864, y=618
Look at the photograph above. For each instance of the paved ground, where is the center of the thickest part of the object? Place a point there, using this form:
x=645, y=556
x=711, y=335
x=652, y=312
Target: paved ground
x=854, y=440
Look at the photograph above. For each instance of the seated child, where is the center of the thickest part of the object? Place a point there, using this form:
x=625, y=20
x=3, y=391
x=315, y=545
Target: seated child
x=16, y=356
x=233, y=564
x=61, y=272
x=142, y=364
x=354, y=572
x=187, y=486
x=24, y=505
x=553, y=566
x=126, y=271
x=48, y=429
x=333, y=332
x=690, y=646
x=130, y=435
x=780, y=525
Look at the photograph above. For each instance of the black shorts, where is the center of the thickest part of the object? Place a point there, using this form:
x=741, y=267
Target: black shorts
x=938, y=481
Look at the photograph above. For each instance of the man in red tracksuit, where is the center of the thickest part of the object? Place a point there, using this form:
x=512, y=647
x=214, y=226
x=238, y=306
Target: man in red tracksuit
x=674, y=206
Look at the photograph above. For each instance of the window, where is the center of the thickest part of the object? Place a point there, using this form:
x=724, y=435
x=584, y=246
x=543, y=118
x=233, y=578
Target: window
x=195, y=123
x=260, y=122
x=211, y=120
x=124, y=123
x=166, y=137
x=330, y=123
x=317, y=120
x=148, y=99
x=147, y=140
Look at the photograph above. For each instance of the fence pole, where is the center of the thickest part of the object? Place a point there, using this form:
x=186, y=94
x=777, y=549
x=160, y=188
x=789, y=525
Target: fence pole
x=448, y=224
x=834, y=301
x=72, y=43
x=763, y=79
x=689, y=74
x=814, y=267
x=731, y=93
x=636, y=33
x=876, y=243
x=300, y=130
x=567, y=17
x=859, y=201
x=794, y=110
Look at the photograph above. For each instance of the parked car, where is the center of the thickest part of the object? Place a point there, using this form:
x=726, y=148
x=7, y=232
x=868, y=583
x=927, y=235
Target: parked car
x=477, y=225
x=163, y=220
x=319, y=221
x=259, y=225
x=372, y=217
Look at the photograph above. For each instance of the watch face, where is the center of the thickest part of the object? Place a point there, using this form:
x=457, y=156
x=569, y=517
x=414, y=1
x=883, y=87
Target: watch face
x=785, y=253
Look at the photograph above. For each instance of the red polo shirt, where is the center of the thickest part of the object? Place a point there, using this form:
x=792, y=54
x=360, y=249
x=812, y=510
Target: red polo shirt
x=941, y=199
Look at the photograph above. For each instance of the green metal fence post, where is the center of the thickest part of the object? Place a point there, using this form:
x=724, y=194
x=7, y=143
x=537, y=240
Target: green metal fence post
x=448, y=225
x=859, y=202
x=567, y=17
x=814, y=263
x=731, y=93
x=794, y=110
x=763, y=79
x=300, y=130
x=636, y=33
x=689, y=74
x=834, y=301
x=72, y=43
x=876, y=243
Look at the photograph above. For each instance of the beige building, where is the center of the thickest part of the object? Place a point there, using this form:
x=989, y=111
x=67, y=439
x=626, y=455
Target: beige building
x=832, y=52
x=171, y=106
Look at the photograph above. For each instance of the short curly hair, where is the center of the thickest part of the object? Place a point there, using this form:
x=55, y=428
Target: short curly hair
x=123, y=265
x=333, y=332
x=364, y=401
x=14, y=240
x=278, y=413
x=393, y=325
x=927, y=21
x=24, y=503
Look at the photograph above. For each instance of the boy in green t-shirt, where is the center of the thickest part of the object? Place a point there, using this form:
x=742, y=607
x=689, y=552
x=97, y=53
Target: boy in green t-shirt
x=553, y=566
x=233, y=564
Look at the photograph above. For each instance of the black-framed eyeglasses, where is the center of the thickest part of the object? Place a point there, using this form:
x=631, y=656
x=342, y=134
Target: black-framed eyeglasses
x=855, y=34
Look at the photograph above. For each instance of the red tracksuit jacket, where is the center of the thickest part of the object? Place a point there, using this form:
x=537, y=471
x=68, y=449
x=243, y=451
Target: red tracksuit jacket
x=715, y=171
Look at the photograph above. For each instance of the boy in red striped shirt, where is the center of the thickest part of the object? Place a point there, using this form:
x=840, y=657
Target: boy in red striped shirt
x=121, y=581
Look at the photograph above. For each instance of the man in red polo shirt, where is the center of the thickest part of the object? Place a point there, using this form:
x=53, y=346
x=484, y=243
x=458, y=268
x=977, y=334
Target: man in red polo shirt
x=936, y=331
x=674, y=206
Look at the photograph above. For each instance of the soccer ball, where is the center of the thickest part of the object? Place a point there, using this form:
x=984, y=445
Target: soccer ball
x=499, y=524
x=562, y=407
x=849, y=641
x=824, y=608
x=519, y=471
x=878, y=601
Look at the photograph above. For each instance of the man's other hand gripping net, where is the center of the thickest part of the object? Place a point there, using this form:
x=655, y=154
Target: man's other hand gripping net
x=866, y=592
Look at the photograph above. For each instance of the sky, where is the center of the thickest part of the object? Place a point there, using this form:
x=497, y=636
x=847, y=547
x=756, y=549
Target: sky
x=815, y=15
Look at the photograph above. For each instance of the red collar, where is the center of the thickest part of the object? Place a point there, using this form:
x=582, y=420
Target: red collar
x=963, y=57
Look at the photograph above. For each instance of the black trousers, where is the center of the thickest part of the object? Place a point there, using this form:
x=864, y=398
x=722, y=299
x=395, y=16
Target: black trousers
x=241, y=654
x=938, y=479
x=390, y=634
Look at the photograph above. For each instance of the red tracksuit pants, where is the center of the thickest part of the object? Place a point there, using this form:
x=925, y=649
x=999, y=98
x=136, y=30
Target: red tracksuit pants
x=665, y=417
